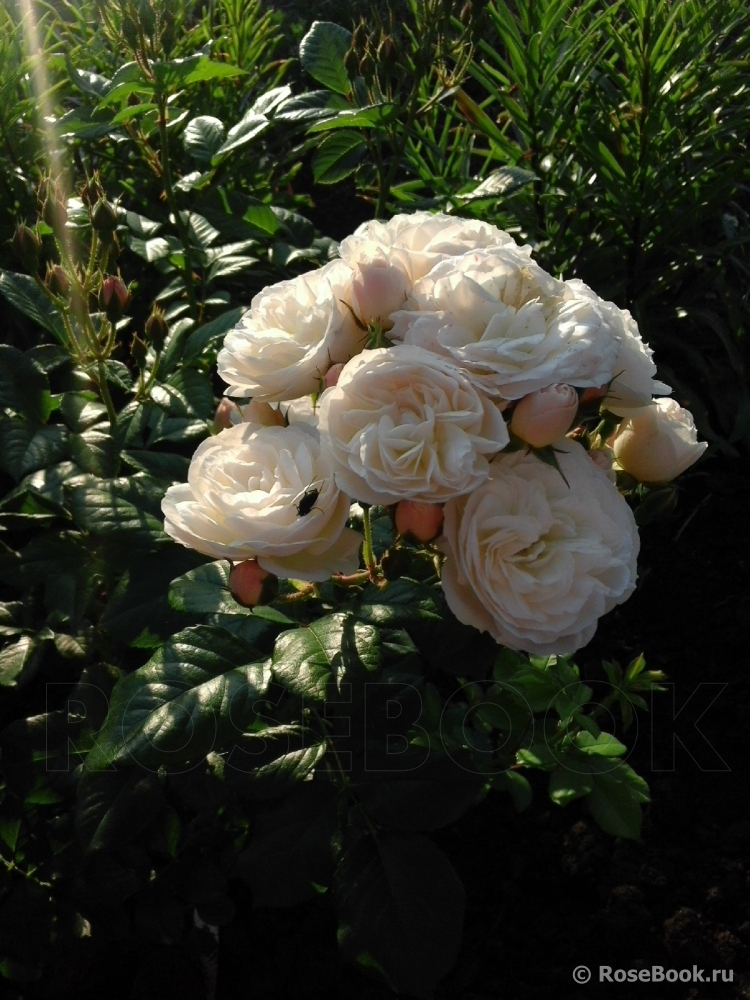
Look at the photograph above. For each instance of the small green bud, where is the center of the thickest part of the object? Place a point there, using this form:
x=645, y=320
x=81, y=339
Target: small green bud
x=351, y=63
x=466, y=12
x=130, y=32
x=57, y=281
x=114, y=298
x=367, y=69
x=92, y=191
x=387, y=52
x=138, y=352
x=359, y=38
x=54, y=210
x=156, y=329
x=104, y=217
x=27, y=247
x=146, y=17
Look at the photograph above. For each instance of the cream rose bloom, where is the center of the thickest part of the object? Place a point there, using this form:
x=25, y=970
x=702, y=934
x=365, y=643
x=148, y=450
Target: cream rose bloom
x=634, y=381
x=416, y=243
x=241, y=497
x=511, y=326
x=292, y=334
x=658, y=442
x=536, y=562
x=403, y=424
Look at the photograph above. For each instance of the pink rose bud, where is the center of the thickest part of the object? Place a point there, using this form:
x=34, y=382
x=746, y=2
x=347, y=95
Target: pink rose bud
x=589, y=395
x=257, y=412
x=380, y=288
x=223, y=414
x=420, y=521
x=332, y=375
x=247, y=582
x=544, y=416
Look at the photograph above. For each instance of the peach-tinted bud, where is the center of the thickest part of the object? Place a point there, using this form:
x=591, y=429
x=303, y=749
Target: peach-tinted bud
x=545, y=415
x=589, y=395
x=380, y=288
x=247, y=582
x=604, y=458
x=114, y=298
x=223, y=414
x=420, y=521
x=257, y=412
x=332, y=375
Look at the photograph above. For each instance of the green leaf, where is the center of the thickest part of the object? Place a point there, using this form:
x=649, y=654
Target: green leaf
x=306, y=660
x=401, y=910
x=270, y=763
x=22, y=385
x=113, y=807
x=206, y=337
x=500, y=184
x=402, y=602
x=247, y=129
x=93, y=451
x=322, y=52
x=566, y=784
x=616, y=799
x=337, y=157
x=119, y=374
x=159, y=464
x=203, y=136
x=66, y=568
x=535, y=686
x=22, y=292
x=205, y=590
x=604, y=745
x=192, y=69
x=290, y=853
x=371, y=117
x=312, y=106
x=81, y=409
x=517, y=785
x=196, y=693
x=119, y=507
x=23, y=451
x=13, y=659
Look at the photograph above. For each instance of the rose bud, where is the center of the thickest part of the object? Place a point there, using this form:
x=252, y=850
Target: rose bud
x=604, y=458
x=156, y=329
x=92, y=191
x=545, y=415
x=114, y=298
x=259, y=412
x=420, y=521
x=55, y=212
x=658, y=442
x=351, y=62
x=332, y=376
x=27, y=247
x=380, y=288
x=251, y=585
x=138, y=352
x=104, y=217
x=57, y=281
x=224, y=413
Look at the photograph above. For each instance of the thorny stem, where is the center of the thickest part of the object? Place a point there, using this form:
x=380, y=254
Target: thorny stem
x=368, y=553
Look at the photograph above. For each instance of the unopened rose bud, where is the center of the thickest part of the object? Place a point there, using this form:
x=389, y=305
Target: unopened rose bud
x=351, y=62
x=380, y=288
x=54, y=211
x=258, y=412
x=658, y=442
x=138, y=352
x=422, y=522
x=225, y=411
x=104, y=217
x=92, y=191
x=27, y=247
x=130, y=32
x=604, y=458
x=251, y=585
x=332, y=375
x=156, y=329
x=367, y=68
x=466, y=11
x=544, y=416
x=57, y=281
x=387, y=52
x=114, y=298
x=359, y=38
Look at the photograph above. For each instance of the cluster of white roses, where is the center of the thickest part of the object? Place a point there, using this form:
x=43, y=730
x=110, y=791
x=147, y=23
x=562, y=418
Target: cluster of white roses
x=474, y=331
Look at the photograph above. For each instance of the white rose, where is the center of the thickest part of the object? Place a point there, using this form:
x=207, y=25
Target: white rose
x=512, y=326
x=410, y=246
x=240, y=502
x=535, y=561
x=291, y=335
x=403, y=424
x=658, y=442
x=633, y=384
